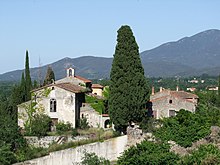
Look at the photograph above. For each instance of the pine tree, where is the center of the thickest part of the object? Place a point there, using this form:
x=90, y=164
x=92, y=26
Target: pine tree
x=128, y=89
x=28, y=83
x=50, y=77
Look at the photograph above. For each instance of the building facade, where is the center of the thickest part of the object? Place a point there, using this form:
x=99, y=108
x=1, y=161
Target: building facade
x=167, y=102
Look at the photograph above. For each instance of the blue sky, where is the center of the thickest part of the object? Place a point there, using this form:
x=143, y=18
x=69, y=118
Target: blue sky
x=54, y=29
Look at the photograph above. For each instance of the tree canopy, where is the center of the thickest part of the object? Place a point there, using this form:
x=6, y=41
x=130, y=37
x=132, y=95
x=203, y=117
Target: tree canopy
x=50, y=76
x=128, y=87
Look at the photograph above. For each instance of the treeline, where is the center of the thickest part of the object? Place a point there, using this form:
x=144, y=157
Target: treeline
x=13, y=147
x=185, y=128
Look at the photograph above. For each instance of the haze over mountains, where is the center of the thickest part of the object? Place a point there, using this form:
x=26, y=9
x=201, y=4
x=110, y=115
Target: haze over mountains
x=188, y=56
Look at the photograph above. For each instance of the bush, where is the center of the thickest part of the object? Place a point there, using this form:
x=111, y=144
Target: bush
x=6, y=155
x=184, y=128
x=40, y=125
x=93, y=159
x=206, y=154
x=62, y=127
x=74, y=132
x=148, y=153
x=83, y=124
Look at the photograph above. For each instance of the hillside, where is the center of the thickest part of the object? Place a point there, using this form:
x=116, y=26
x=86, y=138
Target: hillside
x=188, y=56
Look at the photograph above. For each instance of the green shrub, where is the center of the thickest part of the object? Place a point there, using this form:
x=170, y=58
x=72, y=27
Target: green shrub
x=6, y=155
x=148, y=153
x=74, y=132
x=184, y=128
x=83, y=124
x=40, y=125
x=206, y=154
x=62, y=127
x=93, y=159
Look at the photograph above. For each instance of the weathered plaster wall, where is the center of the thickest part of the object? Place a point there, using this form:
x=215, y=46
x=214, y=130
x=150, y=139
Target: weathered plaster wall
x=110, y=149
x=94, y=118
x=97, y=91
x=163, y=106
x=65, y=106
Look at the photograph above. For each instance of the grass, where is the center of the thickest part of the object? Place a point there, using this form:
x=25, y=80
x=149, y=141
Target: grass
x=95, y=103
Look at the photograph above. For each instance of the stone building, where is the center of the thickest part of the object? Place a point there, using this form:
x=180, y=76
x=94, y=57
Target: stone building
x=166, y=102
x=97, y=89
x=94, y=119
x=61, y=101
x=74, y=79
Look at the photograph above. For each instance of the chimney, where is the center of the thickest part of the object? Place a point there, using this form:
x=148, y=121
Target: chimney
x=177, y=88
x=152, y=90
x=161, y=89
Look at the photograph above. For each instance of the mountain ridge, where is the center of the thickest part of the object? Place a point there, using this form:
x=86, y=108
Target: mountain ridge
x=197, y=54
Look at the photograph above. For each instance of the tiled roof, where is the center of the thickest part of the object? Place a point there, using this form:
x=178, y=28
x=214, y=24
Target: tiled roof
x=179, y=94
x=70, y=87
x=97, y=86
x=67, y=86
x=183, y=94
x=83, y=79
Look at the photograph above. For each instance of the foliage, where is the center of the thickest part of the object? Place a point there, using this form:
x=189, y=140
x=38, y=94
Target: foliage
x=74, y=132
x=93, y=159
x=150, y=124
x=206, y=154
x=62, y=127
x=96, y=104
x=148, y=153
x=128, y=87
x=6, y=155
x=50, y=76
x=28, y=83
x=40, y=125
x=184, y=128
x=83, y=124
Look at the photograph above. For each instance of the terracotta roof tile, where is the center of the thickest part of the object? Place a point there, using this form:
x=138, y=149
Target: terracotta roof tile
x=70, y=87
x=183, y=94
x=83, y=79
x=67, y=86
x=97, y=86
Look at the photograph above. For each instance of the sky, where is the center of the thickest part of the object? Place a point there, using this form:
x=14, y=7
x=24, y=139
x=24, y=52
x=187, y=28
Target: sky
x=54, y=29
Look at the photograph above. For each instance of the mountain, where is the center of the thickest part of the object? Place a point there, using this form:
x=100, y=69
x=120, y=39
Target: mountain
x=188, y=56
x=86, y=66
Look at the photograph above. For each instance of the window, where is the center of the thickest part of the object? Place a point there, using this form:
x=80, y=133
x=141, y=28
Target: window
x=70, y=72
x=53, y=105
x=172, y=113
x=170, y=101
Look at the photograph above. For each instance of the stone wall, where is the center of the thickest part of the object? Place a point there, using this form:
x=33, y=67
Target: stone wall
x=109, y=149
x=48, y=140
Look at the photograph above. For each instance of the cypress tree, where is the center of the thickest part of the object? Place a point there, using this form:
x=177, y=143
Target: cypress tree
x=28, y=83
x=128, y=87
x=219, y=90
x=22, y=88
x=50, y=77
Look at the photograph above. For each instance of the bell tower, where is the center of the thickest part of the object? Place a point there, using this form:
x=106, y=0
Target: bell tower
x=70, y=72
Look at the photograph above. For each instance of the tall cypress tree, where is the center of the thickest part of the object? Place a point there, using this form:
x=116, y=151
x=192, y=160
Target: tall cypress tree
x=128, y=89
x=50, y=77
x=219, y=90
x=22, y=88
x=28, y=83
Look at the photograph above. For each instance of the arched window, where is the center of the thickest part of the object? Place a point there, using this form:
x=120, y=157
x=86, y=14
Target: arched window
x=70, y=72
x=107, y=123
x=53, y=105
